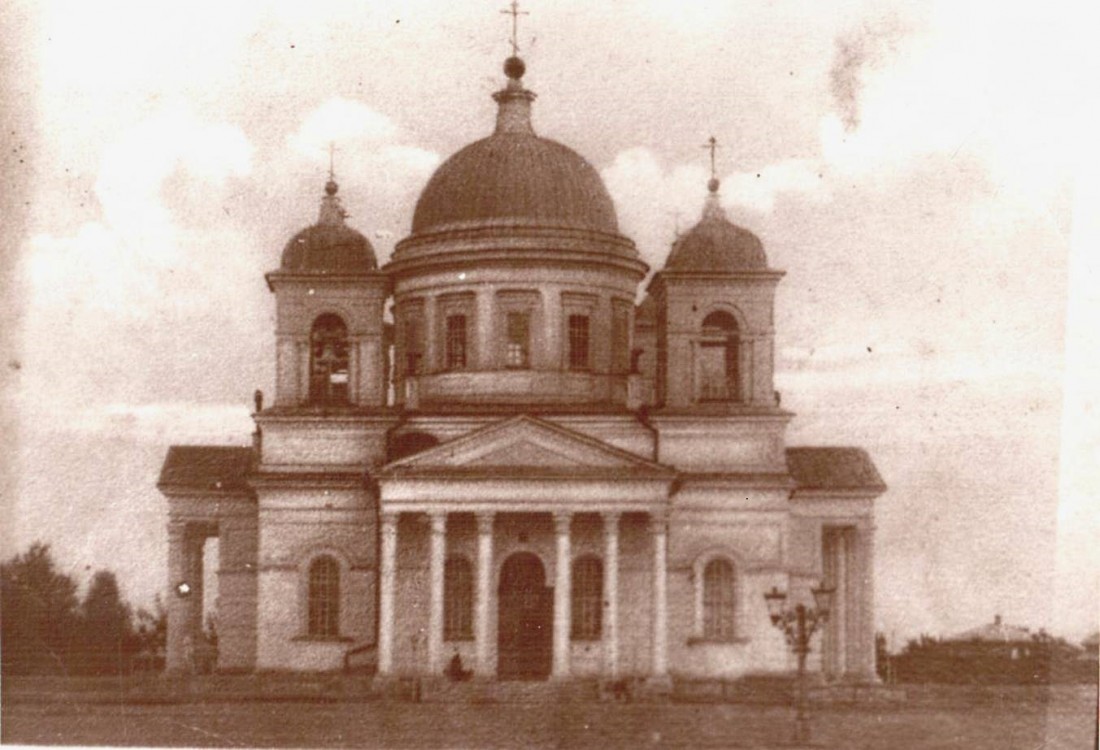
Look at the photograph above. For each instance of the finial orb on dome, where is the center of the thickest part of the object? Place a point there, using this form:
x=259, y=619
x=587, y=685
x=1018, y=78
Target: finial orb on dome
x=514, y=68
x=331, y=187
x=713, y=184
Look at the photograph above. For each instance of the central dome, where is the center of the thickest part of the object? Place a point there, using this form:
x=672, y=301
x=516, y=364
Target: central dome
x=515, y=178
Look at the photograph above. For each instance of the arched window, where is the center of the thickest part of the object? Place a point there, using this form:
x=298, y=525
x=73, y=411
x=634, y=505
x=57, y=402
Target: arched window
x=328, y=360
x=718, y=600
x=719, y=359
x=587, y=598
x=458, y=600
x=324, y=597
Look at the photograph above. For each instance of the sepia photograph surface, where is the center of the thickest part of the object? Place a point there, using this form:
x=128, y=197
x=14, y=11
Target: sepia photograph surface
x=530, y=374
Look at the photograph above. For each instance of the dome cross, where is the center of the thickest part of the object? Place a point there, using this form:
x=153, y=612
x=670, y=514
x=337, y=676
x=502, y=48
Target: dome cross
x=712, y=146
x=514, y=11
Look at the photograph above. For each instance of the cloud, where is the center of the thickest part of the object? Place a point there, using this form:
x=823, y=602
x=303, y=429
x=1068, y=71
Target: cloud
x=378, y=170
x=759, y=190
x=112, y=263
x=134, y=167
x=337, y=122
x=655, y=201
x=856, y=51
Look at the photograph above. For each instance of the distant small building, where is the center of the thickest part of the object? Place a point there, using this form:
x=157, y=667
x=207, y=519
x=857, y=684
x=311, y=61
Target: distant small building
x=993, y=653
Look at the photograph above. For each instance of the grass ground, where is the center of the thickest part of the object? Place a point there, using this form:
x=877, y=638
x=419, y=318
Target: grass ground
x=1067, y=721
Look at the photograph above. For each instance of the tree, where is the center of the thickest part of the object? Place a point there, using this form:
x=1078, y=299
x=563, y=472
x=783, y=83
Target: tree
x=108, y=639
x=152, y=635
x=39, y=620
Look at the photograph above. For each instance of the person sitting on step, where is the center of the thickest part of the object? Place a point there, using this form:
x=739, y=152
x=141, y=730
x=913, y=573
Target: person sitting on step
x=455, y=671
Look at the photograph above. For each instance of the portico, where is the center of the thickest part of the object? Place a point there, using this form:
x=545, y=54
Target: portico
x=494, y=506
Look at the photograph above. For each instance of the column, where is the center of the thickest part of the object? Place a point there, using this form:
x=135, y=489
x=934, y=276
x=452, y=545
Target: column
x=841, y=608
x=178, y=607
x=659, y=528
x=484, y=666
x=386, y=592
x=302, y=362
x=437, y=553
x=196, y=577
x=562, y=595
x=429, y=361
x=611, y=594
x=865, y=556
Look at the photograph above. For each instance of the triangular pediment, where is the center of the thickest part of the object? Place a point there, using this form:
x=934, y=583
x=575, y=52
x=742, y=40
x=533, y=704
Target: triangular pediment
x=522, y=444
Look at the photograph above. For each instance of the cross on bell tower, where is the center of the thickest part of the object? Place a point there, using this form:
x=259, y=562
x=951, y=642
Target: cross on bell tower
x=712, y=146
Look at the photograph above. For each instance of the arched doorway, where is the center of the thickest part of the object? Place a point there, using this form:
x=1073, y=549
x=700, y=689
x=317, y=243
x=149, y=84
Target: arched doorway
x=525, y=620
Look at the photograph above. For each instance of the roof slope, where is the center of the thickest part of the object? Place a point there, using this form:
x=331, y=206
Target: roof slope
x=206, y=467
x=834, y=468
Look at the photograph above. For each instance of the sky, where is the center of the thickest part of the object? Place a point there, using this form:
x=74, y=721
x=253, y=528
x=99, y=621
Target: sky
x=915, y=168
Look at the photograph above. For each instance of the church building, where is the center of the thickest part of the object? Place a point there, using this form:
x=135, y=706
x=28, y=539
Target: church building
x=541, y=465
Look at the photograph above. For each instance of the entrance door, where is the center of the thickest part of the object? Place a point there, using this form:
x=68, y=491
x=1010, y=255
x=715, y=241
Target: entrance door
x=525, y=621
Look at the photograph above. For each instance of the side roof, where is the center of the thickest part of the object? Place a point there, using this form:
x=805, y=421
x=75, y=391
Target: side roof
x=834, y=469
x=206, y=467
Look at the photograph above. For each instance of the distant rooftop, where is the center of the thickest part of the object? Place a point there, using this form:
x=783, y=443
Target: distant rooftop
x=996, y=631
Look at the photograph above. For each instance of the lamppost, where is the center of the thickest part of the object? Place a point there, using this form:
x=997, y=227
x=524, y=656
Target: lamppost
x=798, y=625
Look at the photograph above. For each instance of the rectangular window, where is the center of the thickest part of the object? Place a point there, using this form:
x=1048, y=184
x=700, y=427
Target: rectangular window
x=587, y=595
x=578, y=342
x=517, y=351
x=458, y=600
x=456, y=342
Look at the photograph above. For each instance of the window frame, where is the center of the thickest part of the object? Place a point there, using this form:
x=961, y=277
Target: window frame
x=582, y=305
x=719, y=600
x=458, y=599
x=574, y=335
x=736, y=630
x=450, y=306
x=456, y=347
x=524, y=345
x=413, y=338
x=323, y=623
x=586, y=598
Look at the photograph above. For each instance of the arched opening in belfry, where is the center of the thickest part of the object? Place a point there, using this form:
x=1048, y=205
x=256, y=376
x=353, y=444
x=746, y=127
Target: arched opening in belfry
x=328, y=360
x=719, y=377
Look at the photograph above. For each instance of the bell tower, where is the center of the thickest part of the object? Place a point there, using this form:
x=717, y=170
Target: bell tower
x=715, y=300
x=329, y=302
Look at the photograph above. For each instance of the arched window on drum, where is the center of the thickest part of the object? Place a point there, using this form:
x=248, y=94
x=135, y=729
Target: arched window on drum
x=328, y=360
x=719, y=374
